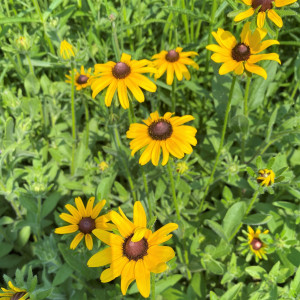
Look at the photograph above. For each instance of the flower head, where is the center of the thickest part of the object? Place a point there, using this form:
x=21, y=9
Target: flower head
x=135, y=253
x=66, y=50
x=174, y=61
x=13, y=293
x=119, y=76
x=81, y=78
x=266, y=177
x=182, y=167
x=162, y=133
x=255, y=244
x=266, y=9
x=103, y=166
x=22, y=42
x=84, y=220
x=239, y=56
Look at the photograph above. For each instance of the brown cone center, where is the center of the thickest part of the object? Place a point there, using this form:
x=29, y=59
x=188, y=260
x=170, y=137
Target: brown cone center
x=82, y=79
x=135, y=250
x=240, y=52
x=17, y=296
x=265, y=4
x=256, y=244
x=160, y=130
x=121, y=70
x=172, y=56
x=87, y=225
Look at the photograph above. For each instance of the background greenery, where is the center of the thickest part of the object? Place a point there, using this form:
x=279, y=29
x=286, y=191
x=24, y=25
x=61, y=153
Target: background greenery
x=36, y=142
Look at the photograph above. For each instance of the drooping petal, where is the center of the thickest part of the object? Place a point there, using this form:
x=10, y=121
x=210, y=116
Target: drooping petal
x=244, y=15
x=125, y=227
x=156, y=153
x=228, y=67
x=256, y=70
x=280, y=3
x=101, y=258
x=76, y=240
x=135, y=90
x=127, y=276
x=115, y=269
x=275, y=18
x=161, y=253
x=66, y=229
x=98, y=207
x=122, y=94
x=110, y=92
x=261, y=19
x=269, y=56
x=139, y=215
x=170, y=74
x=108, y=238
x=162, y=232
x=89, y=241
x=146, y=155
x=142, y=275
x=100, y=83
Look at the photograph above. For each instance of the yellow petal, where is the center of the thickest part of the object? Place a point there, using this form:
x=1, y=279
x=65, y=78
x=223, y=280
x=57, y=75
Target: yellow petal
x=89, y=206
x=122, y=93
x=220, y=58
x=139, y=215
x=256, y=70
x=146, y=155
x=159, y=268
x=261, y=19
x=142, y=275
x=161, y=253
x=170, y=74
x=162, y=232
x=155, y=153
x=125, y=227
x=73, y=211
x=115, y=269
x=225, y=38
x=248, y=2
x=139, y=233
x=178, y=73
x=244, y=15
x=218, y=49
x=108, y=238
x=270, y=56
x=125, y=58
x=144, y=82
x=80, y=206
x=76, y=240
x=88, y=241
x=165, y=153
x=177, y=121
x=110, y=92
x=98, y=207
x=263, y=45
x=127, y=276
x=101, y=258
x=280, y=3
x=239, y=70
x=275, y=18
x=135, y=90
x=101, y=83
x=173, y=148
x=228, y=67
x=66, y=229
x=68, y=218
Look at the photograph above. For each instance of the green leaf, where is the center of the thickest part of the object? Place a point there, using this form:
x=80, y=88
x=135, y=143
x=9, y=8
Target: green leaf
x=214, y=266
x=50, y=203
x=257, y=219
x=217, y=228
x=24, y=235
x=240, y=123
x=251, y=172
x=5, y=248
x=259, y=163
x=213, y=296
x=256, y=272
x=295, y=284
x=270, y=127
x=32, y=84
x=232, y=292
x=63, y=274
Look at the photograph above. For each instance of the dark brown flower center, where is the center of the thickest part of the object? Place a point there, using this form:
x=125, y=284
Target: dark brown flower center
x=256, y=244
x=135, y=250
x=172, y=56
x=265, y=4
x=160, y=130
x=82, y=79
x=264, y=175
x=240, y=52
x=121, y=70
x=87, y=225
x=17, y=296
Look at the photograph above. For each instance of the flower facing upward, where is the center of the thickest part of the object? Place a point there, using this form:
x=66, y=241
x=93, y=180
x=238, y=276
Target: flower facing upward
x=162, y=133
x=135, y=253
x=174, y=61
x=255, y=244
x=81, y=79
x=122, y=75
x=239, y=56
x=266, y=8
x=266, y=177
x=13, y=293
x=66, y=50
x=84, y=220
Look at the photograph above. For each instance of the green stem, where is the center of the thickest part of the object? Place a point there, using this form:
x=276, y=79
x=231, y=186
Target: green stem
x=73, y=120
x=247, y=211
x=87, y=123
x=131, y=114
x=173, y=95
x=152, y=286
x=221, y=143
x=246, y=115
x=295, y=89
x=115, y=41
x=173, y=190
x=39, y=214
x=147, y=193
x=30, y=64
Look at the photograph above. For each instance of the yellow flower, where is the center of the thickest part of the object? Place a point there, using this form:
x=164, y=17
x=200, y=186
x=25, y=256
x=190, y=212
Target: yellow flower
x=66, y=50
x=174, y=61
x=182, y=167
x=103, y=166
x=266, y=177
x=84, y=220
x=266, y=8
x=239, y=56
x=22, y=42
x=122, y=75
x=166, y=133
x=135, y=253
x=81, y=79
x=13, y=293
x=255, y=244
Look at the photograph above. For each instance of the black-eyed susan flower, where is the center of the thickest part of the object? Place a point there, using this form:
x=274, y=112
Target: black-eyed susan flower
x=119, y=76
x=165, y=133
x=255, y=243
x=13, y=293
x=174, y=61
x=266, y=9
x=266, y=177
x=84, y=220
x=243, y=55
x=81, y=78
x=135, y=253
x=66, y=50
x=103, y=166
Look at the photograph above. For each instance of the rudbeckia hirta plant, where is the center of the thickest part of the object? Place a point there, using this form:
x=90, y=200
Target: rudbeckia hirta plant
x=266, y=177
x=13, y=293
x=66, y=50
x=81, y=78
x=174, y=61
x=121, y=76
x=166, y=134
x=84, y=220
x=238, y=56
x=255, y=243
x=266, y=8
x=135, y=252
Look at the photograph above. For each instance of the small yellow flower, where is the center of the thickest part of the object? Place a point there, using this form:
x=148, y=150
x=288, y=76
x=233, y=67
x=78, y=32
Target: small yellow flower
x=22, y=42
x=84, y=220
x=182, y=167
x=66, y=50
x=255, y=244
x=103, y=166
x=119, y=76
x=13, y=293
x=244, y=55
x=174, y=61
x=266, y=9
x=165, y=133
x=81, y=79
x=266, y=177
x=135, y=253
